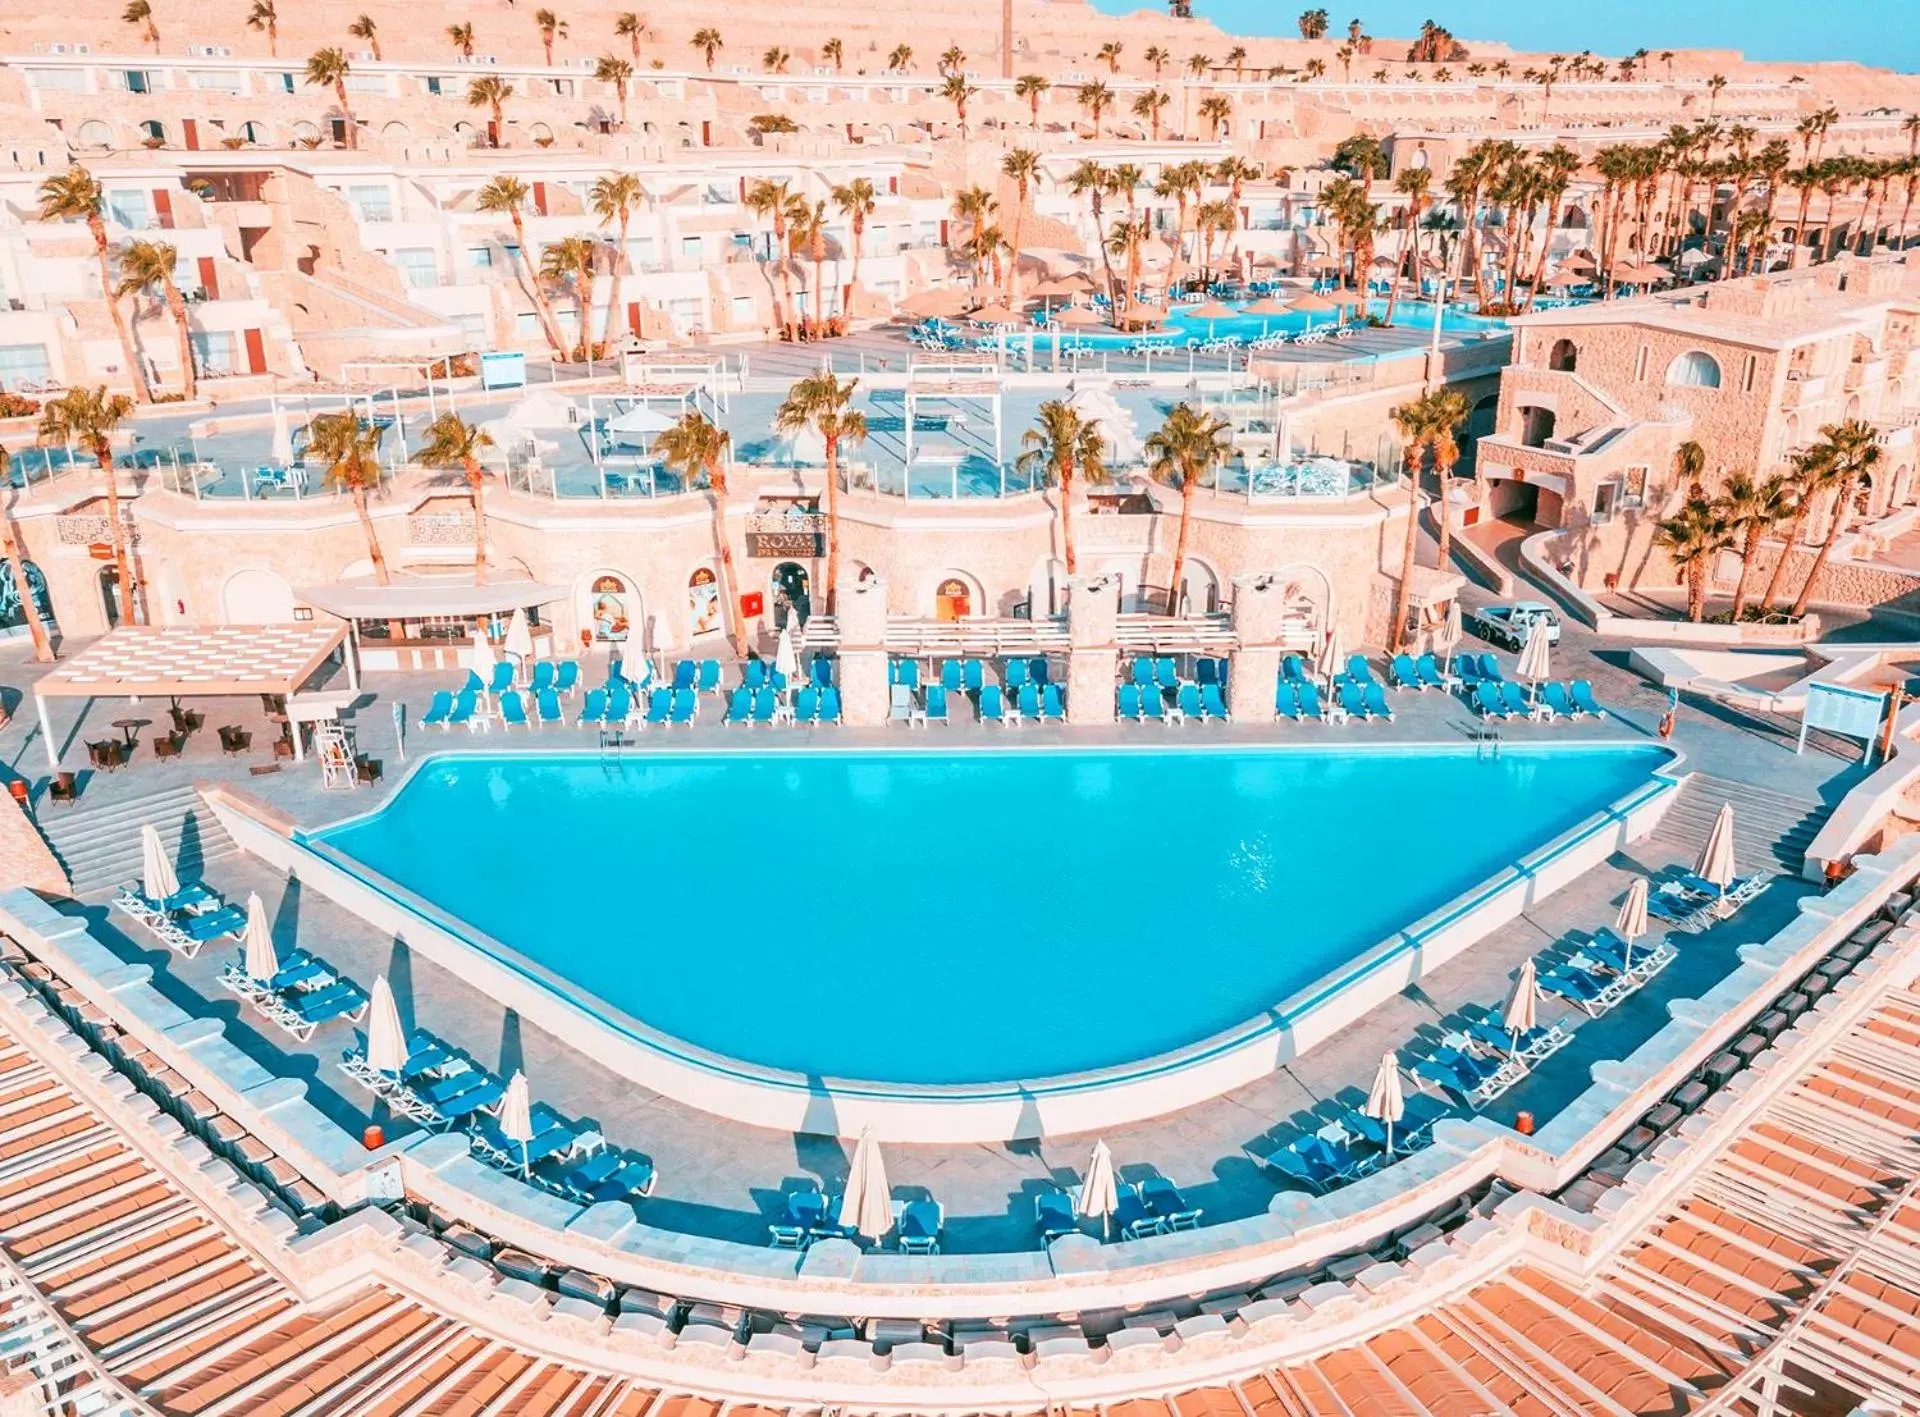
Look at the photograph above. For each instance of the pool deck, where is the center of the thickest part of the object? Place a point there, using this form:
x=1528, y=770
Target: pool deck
x=722, y=1179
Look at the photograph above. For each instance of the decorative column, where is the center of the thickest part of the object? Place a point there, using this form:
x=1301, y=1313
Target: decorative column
x=861, y=610
x=1253, y=670
x=1093, y=654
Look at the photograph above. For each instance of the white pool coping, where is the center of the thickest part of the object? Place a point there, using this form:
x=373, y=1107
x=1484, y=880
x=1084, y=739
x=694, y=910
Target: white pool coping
x=968, y=1113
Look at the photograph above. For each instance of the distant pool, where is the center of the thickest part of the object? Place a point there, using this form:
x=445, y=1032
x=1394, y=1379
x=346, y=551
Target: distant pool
x=1407, y=314
x=965, y=917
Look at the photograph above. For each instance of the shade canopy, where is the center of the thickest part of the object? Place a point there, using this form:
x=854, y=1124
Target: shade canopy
x=1315, y=303
x=866, y=1207
x=519, y=636
x=638, y=425
x=998, y=315
x=1269, y=305
x=156, y=866
x=785, y=658
x=1522, y=1012
x=1075, y=284
x=1080, y=316
x=1386, y=1100
x=155, y=661
x=944, y=301
x=1536, y=657
x=262, y=960
x=1210, y=310
x=386, y=1039
x=1716, y=857
x=424, y=599
x=1631, y=923
x=1099, y=1191
x=516, y=1110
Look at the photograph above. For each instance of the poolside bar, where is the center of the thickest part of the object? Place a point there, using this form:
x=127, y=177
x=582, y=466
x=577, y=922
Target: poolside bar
x=428, y=623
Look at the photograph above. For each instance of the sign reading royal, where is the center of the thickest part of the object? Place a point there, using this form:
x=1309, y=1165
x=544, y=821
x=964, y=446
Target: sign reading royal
x=786, y=536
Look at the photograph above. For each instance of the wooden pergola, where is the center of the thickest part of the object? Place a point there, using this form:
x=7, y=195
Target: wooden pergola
x=163, y=661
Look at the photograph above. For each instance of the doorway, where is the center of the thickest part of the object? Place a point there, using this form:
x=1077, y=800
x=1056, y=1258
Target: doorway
x=792, y=595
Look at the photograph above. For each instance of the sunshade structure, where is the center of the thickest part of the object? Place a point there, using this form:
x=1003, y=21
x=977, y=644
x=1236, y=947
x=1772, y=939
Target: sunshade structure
x=866, y=1207
x=785, y=658
x=1080, y=317
x=1446, y=635
x=179, y=662
x=1386, y=1100
x=1536, y=659
x=1716, y=857
x=998, y=315
x=157, y=876
x=1523, y=1004
x=519, y=637
x=516, y=1115
x=638, y=426
x=386, y=1039
x=1099, y=1191
x=1631, y=923
x=1331, y=656
x=262, y=960
x=941, y=302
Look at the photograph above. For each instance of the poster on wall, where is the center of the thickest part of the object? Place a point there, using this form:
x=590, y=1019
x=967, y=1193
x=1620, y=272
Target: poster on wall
x=609, y=609
x=703, y=601
x=12, y=614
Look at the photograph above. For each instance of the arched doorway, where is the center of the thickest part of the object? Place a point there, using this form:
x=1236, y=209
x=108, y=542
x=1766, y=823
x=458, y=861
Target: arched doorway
x=952, y=599
x=703, y=602
x=256, y=597
x=1563, y=356
x=1536, y=425
x=1046, y=589
x=791, y=593
x=1199, y=589
x=12, y=614
x=109, y=583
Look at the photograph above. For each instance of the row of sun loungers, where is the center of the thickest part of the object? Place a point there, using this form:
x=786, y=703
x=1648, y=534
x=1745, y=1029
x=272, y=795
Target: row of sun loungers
x=186, y=920
x=763, y=706
x=1692, y=904
x=305, y=993
x=1350, y=1146
x=1190, y=702
x=1153, y=1206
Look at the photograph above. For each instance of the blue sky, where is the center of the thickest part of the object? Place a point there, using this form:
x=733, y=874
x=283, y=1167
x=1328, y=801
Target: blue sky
x=1870, y=31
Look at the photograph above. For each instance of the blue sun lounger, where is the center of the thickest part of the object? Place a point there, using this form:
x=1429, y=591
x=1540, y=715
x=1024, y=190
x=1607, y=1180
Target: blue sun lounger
x=904, y=671
x=1577, y=987
x=1515, y=699
x=1406, y=675
x=1212, y=705
x=1431, y=674
x=1165, y=674
x=1293, y=670
x=1350, y=701
x=1054, y=1215
x=659, y=705
x=806, y=705
x=709, y=677
x=936, y=704
x=820, y=673
x=684, y=707
x=1286, y=700
x=1358, y=670
x=546, y=704
x=753, y=675
x=1582, y=694
x=608, y=1174
x=829, y=704
x=1541, y=1041
x=950, y=676
x=1027, y=703
x=301, y=1011
x=684, y=673
x=1310, y=704
x=1374, y=696
x=1186, y=702
x=1487, y=701
x=621, y=705
x=973, y=674
x=1052, y=706
x=1152, y=705
x=1554, y=695
x=502, y=677
x=437, y=709
x=567, y=678
x=542, y=677
x=1490, y=669
x=466, y=706
x=513, y=713
x=1016, y=675
x=992, y=703
x=1129, y=703
x=740, y=705
x=593, y=709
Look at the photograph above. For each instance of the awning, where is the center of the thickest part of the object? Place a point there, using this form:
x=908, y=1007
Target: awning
x=420, y=600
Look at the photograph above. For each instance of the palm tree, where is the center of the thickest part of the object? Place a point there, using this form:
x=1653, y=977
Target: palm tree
x=1062, y=447
x=350, y=448
x=75, y=195
x=551, y=27
x=1751, y=509
x=953, y=60
x=612, y=199
x=263, y=18
x=775, y=60
x=772, y=200
x=462, y=38
x=1157, y=57
x=1413, y=183
x=17, y=567
x=901, y=57
x=1110, y=55
x=1814, y=476
x=1216, y=109
x=1714, y=85
x=1313, y=24
x=1417, y=422
x=1090, y=180
x=698, y=449
x=810, y=230
x=835, y=52
x=1237, y=56
x=328, y=68
x=707, y=40
x=956, y=90
x=452, y=442
x=140, y=13
x=1556, y=168
x=147, y=266
x=1096, y=98
x=631, y=27
x=1182, y=453
x=569, y=262
x=612, y=69
x=364, y=27
x=824, y=403
x=509, y=194
x=1449, y=412
x=1032, y=87
x=491, y=92
x=1692, y=539
x=1850, y=451
x=1022, y=167
x=1689, y=463
x=856, y=201
x=88, y=416
x=1149, y=105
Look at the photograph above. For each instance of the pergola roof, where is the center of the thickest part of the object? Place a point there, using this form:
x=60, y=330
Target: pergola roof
x=418, y=600
x=185, y=661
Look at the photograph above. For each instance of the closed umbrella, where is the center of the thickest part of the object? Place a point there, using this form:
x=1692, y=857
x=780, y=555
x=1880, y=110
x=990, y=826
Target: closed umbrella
x=1716, y=857
x=1099, y=1192
x=1522, y=1015
x=282, y=436
x=661, y=640
x=786, y=659
x=480, y=656
x=519, y=640
x=1387, y=1102
x=156, y=866
x=866, y=1208
x=1632, y=921
x=516, y=1115
x=1330, y=656
x=1536, y=659
x=1447, y=636
x=263, y=962
x=386, y=1039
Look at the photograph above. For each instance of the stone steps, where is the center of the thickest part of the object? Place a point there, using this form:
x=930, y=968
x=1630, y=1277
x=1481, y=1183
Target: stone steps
x=100, y=847
x=1771, y=830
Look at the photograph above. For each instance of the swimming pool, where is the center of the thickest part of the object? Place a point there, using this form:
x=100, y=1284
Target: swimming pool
x=1414, y=315
x=943, y=918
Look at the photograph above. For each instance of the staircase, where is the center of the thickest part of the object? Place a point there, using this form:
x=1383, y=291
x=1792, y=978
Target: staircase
x=101, y=848
x=1771, y=830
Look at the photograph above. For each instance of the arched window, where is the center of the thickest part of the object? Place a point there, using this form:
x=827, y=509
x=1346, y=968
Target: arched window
x=95, y=134
x=1696, y=369
x=1563, y=356
x=12, y=613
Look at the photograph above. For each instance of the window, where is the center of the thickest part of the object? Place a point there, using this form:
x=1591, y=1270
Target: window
x=690, y=248
x=526, y=325
x=286, y=83
x=1640, y=365
x=1606, y=497
x=366, y=83
x=63, y=80
x=215, y=80
x=22, y=363
x=371, y=203
x=473, y=327
x=480, y=258
x=1695, y=369
x=213, y=351
x=433, y=85
x=1747, y=371
x=136, y=81
x=1634, y=492
x=640, y=254
x=743, y=309
x=418, y=268
x=1564, y=356
x=131, y=209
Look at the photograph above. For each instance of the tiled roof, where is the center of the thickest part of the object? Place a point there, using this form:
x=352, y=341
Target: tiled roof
x=1763, y=1244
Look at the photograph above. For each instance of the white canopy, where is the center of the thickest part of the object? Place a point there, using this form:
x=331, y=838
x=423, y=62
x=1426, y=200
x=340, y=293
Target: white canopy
x=1716, y=857
x=1387, y=1102
x=786, y=659
x=519, y=637
x=1522, y=1014
x=262, y=960
x=1536, y=658
x=1099, y=1191
x=1631, y=923
x=156, y=866
x=867, y=1206
x=516, y=1112
x=637, y=426
x=386, y=1039
x=542, y=409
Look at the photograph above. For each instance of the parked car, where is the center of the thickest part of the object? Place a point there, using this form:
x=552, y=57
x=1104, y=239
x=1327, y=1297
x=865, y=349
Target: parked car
x=1512, y=625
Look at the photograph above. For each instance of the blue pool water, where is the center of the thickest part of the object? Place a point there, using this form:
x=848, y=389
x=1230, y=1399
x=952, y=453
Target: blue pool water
x=1414, y=315
x=961, y=917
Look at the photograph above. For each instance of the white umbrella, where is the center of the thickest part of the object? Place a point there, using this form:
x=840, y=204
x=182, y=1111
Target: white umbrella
x=156, y=866
x=786, y=659
x=519, y=640
x=516, y=1114
x=1099, y=1192
x=1447, y=636
x=480, y=656
x=386, y=1039
x=1535, y=659
x=1716, y=857
x=1387, y=1102
x=1522, y=1015
x=282, y=435
x=636, y=427
x=1631, y=923
x=1331, y=655
x=867, y=1206
x=661, y=639
x=262, y=962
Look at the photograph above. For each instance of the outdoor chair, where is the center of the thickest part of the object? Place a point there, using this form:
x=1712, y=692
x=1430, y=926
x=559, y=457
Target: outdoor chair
x=235, y=740
x=64, y=787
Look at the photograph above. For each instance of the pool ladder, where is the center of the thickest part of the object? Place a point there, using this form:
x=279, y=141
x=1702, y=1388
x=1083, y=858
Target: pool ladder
x=1486, y=739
